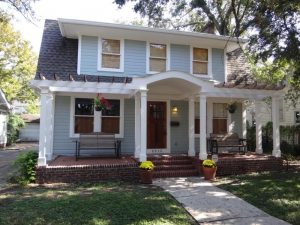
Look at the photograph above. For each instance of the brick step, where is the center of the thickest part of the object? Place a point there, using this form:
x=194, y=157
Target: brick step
x=165, y=157
x=174, y=167
x=175, y=173
x=172, y=162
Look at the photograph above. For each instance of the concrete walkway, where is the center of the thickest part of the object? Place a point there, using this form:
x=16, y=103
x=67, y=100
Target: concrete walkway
x=211, y=205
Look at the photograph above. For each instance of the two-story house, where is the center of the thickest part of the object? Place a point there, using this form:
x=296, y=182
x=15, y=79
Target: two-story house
x=168, y=89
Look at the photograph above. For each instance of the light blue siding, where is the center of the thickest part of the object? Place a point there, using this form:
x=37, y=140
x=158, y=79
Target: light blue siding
x=134, y=58
x=236, y=119
x=218, y=64
x=179, y=135
x=180, y=58
x=64, y=145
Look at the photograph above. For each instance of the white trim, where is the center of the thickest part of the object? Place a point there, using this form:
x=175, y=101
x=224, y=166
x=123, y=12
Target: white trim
x=209, y=63
x=99, y=58
x=168, y=126
x=202, y=111
x=244, y=120
x=191, y=132
x=79, y=54
x=276, y=152
x=137, y=124
x=225, y=65
x=168, y=57
x=72, y=115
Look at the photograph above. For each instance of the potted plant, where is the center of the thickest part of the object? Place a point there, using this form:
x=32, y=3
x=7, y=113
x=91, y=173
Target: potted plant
x=101, y=103
x=146, y=172
x=209, y=169
x=232, y=107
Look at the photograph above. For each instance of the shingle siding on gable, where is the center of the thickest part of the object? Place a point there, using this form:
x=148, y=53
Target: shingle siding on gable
x=180, y=58
x=218, y=64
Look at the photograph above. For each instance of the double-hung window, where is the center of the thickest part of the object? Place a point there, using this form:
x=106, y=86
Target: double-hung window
x=84, y=115
x=200, y=61
x=220, y=114
x=157, y=57
x=110, y=120
x=111, y=54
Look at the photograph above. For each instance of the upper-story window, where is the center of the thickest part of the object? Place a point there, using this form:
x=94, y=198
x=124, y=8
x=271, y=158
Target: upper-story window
x=111, y=55
x=200, y=61
x=157, y=57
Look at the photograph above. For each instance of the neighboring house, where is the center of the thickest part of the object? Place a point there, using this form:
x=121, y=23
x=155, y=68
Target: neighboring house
x=168, y=89
x=18, y=107
x=4, y=111
x=31, y=130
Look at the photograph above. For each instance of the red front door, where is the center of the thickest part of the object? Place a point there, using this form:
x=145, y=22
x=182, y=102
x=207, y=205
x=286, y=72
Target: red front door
x=157, y=125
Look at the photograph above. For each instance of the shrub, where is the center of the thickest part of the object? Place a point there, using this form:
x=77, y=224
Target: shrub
x=15, y=123
x=26, y=165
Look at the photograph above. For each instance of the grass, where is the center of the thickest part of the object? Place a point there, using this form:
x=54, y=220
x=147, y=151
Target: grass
x=106, y=203
x=276, y=193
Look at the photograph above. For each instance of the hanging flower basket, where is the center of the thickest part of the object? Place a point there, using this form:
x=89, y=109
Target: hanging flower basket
x=209, y=169
x=146, y=172
x=232, y=107
x=101, y=103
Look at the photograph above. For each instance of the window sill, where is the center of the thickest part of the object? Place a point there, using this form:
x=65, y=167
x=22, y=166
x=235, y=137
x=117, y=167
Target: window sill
x=110, y=70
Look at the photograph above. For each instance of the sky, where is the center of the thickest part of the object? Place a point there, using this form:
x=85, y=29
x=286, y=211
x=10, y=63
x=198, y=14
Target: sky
x=94, y=10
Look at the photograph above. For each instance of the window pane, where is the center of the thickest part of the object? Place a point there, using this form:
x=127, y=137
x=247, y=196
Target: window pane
x=200, y=54
x=158, y=50
x=110, y=46
x=197, y=126
x=111, y=61
x=219, y=126
x=199, y=68
x=220, y=110
x=158, y=65
x=84, y=124
x=115, y=108
x=110, y=125
x=84, y=106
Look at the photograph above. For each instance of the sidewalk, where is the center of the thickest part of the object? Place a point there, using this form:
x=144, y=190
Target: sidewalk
x=211, y=205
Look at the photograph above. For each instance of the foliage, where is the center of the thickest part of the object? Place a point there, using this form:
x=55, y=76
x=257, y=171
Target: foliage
x=15, y=123
x=26, y=165
x=278, y=195
x=209, y=163
x=101, y=103
x=147, y=165
x=22, y=6
x=17, y=64
x=231, y=107
x=112, y=203
x=251, y=144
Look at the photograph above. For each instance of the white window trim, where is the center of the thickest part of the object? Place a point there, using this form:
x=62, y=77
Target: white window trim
x=99, y=62
x=79, y=55
x=72, y=117
x=148, y=57
x=209, y=69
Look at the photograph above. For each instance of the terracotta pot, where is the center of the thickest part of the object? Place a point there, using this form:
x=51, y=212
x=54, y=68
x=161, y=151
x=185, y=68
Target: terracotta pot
x=146, y=176
x=209, y=173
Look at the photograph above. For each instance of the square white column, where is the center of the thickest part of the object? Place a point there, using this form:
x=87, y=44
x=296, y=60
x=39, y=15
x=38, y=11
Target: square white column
x=202, y=110
x=137, y=125
x=210, y=112
x=258, y=126
x=191, y=151
x=143, y=114
x=276, y=133
x=46, y=127
x=244, y=120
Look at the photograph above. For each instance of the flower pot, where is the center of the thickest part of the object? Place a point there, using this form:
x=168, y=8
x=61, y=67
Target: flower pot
x=146, y=176
x=97, y=108
x=209, y=173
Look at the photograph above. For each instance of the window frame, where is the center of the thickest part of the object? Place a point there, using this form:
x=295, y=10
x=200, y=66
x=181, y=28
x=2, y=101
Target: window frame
x=99, y=62
x=209, y=62
x=148, y=71
x=72, y=133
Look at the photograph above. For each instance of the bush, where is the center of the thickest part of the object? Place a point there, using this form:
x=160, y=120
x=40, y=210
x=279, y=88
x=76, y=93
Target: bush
x=26, y=165
x=15, y=123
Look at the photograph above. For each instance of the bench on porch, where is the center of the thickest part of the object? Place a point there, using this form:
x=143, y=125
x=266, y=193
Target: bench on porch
x=228, y=140
x=98, y=141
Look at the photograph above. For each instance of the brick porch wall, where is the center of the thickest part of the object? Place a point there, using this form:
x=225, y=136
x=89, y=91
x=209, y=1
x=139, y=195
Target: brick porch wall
x=89, y=173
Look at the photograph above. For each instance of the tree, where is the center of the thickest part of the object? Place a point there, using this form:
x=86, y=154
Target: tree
x=22, y=6
x=17, y=64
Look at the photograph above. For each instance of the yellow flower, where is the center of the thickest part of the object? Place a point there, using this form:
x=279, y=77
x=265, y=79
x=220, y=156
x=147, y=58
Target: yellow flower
x=147, y=165
x=209, y=163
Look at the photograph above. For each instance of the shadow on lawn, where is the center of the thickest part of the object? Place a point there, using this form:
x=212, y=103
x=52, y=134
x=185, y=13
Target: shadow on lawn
x=107, y=203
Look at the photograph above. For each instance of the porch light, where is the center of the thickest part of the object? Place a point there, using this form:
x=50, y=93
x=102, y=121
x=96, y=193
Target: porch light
x=174, y=109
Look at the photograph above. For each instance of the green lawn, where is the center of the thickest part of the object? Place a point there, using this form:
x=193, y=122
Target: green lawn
x=103, y=203
x=276, y=193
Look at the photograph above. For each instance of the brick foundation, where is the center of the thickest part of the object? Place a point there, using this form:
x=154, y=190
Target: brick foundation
x=87, y=173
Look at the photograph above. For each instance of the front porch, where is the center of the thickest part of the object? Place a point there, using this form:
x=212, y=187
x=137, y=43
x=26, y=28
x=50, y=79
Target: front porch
x=67, y=169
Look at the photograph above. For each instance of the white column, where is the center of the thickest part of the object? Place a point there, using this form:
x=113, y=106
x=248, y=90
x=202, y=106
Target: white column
x=210, y=112
x=276, y=135
x=258, y=126
x=143, y=114
x=46, y=127
x=97, y=121
x=244, y=120
x=49, y=153
x=202, y=110
x=137, y=125
x=191, y=151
